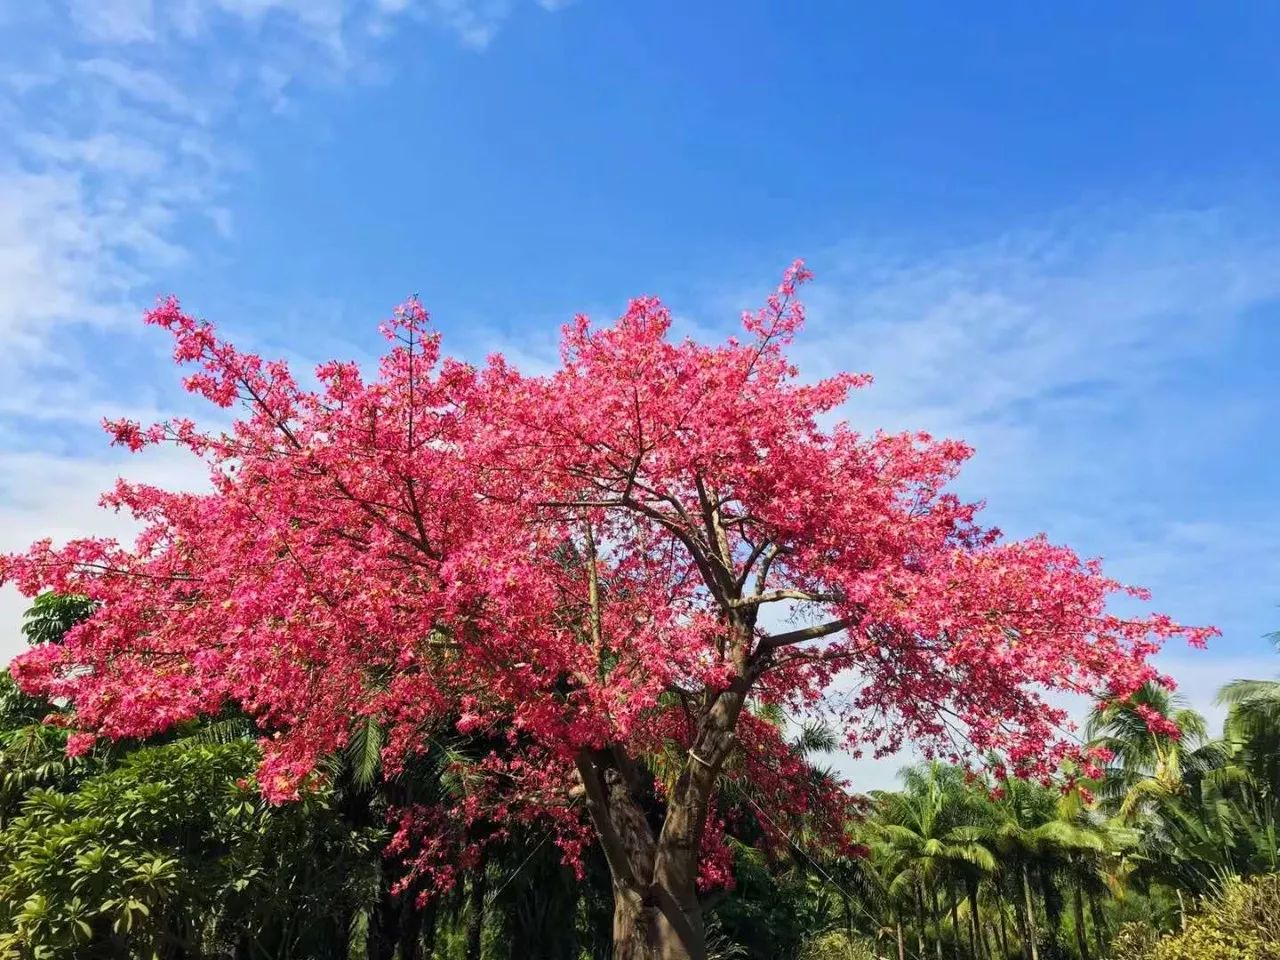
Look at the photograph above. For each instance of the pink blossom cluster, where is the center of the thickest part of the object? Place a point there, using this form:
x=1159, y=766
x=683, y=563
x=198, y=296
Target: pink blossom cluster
x=581, y=558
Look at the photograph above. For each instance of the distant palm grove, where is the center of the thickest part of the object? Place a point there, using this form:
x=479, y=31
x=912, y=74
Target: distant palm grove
x=165, y=849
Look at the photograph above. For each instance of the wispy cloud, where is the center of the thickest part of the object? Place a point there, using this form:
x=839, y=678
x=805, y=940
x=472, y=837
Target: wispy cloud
x=119, y=139
x=120, y=144
x=1095, y=365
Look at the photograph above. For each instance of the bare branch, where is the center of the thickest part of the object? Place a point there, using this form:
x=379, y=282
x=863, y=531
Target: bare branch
x=803, y=634
x=774, y=596
x=593, y=592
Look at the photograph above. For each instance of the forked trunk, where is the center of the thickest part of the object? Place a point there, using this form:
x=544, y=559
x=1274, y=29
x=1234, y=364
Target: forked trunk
x=656, y=911
x=641, y=931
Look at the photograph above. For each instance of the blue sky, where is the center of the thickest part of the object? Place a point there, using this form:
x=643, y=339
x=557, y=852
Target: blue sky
x=1050, y=230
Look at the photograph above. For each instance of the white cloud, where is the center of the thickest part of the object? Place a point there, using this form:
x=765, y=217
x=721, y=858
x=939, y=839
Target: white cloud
x=119, y=141
x=112, y=154
x=145, y=86
x=1065, y=356
x=115, y=21
x=46, y=495
x=62, y=256
x=331, y=25
x=1104, y=299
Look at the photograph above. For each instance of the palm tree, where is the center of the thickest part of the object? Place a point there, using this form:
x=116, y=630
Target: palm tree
x=1201, y=812
x=929, y=831
x=1252, y=729
x=1038, y=832
x=1149, y=766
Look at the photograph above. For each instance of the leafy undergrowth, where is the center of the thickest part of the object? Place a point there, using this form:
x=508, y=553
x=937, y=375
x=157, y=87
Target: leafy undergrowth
x=1242, y=923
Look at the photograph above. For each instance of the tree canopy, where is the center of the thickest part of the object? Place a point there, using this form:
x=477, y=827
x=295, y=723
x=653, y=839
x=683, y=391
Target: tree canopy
x=633, y=553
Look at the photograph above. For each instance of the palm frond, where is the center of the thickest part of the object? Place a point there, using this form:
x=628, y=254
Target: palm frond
x=364, y=752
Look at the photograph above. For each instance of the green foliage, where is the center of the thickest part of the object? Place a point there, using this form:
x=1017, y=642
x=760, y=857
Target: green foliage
x=837, y=945
x=1134, y=940
x=93, y=871
x=51, y=615
x=164, y=849
x=172, y=852
x=1241, y=923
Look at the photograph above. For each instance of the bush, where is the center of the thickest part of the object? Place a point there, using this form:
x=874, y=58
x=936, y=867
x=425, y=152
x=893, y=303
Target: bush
x=1241, y=923
x=835, y=945
x=1134, y=941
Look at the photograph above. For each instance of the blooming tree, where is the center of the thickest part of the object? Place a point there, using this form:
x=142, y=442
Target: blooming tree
x=624, y=560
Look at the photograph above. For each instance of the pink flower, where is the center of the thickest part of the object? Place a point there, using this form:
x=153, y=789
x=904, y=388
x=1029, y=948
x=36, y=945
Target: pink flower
x=79, y=744
x=575, y=564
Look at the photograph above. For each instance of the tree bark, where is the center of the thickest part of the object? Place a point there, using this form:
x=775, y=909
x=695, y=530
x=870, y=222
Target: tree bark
x=902, y=945
x=475, y=912
x=954, y=897
x=977, y=944
x=937, y=923
x=1004, y=939
x=657, y=914
x=1030, y=913
x=1099, y=926
x=1020, y=919
x=1082, y=938
x=920, y=921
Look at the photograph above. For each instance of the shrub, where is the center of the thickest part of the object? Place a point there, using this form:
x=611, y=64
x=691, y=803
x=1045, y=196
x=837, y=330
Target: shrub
x=1134, y=940
x=1241, y=923
x=836, y=945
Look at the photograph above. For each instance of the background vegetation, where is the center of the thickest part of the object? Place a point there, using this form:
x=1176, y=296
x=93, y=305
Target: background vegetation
x=164, y=848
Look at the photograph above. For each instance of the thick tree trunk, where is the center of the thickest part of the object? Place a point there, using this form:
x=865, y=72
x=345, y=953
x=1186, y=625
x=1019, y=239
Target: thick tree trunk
x=1004, y=939
x=657, y=914
x=641, y=931
x=902, y=944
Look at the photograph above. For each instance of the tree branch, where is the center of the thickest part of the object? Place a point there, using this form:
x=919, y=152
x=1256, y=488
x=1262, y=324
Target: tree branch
x=598, y=806
x=773, y=596
x=805, y=633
